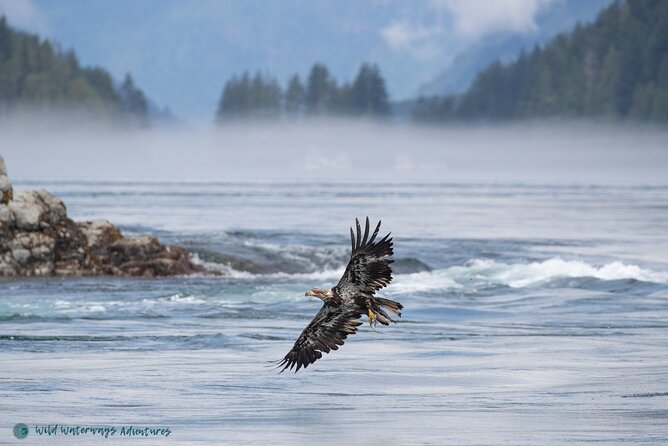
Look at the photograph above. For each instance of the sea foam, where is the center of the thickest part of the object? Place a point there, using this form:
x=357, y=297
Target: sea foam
x=482, y=272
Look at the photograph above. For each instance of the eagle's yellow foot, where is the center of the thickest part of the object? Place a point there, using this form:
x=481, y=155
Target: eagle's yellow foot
x=372, y=320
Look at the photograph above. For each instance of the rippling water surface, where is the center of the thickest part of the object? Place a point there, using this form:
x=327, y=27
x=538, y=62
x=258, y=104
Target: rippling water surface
x=534, y=314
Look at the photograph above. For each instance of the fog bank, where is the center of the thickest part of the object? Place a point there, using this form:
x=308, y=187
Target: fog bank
x=338, y=151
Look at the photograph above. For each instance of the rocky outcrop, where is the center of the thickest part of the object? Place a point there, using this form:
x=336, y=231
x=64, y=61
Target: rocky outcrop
x=5, y=185
x=38, y=239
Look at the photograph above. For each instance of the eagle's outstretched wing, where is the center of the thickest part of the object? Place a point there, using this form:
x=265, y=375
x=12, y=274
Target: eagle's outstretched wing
x=327, y=331
x=369, y=267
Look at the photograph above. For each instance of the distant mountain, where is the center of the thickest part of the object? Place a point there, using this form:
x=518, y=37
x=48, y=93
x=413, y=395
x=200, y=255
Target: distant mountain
x=36, y=74
x=505, y=48
x=615, y=67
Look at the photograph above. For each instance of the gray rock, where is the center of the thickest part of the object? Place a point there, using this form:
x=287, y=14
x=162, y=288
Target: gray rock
x=6, y=216
x=55, y=207
x=70, y=268
x=6, y=191
x=32, y=208
x=7, y=267
x=42, y=252
x=99, y=232
x=28, y=210
x=30, y=240
x=43, y=269
x=19, y=241
x=37, y=239
x=21, y=255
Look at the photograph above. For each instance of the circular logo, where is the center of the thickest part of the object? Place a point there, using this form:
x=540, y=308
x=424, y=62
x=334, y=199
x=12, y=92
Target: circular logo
x=21, y=431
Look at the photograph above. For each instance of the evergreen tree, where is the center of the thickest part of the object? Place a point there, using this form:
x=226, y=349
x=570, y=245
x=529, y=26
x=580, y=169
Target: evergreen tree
x=319, y=90
x=246, y=97
x=261, y=96
x=342, y=100
x=265, y=97
x=369, y=93
x=295, y=97
x=614, y=67
x=5, y=40
x=133, y=102
x=35, y=73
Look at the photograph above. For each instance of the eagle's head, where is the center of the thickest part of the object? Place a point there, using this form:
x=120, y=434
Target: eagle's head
x=319, y=293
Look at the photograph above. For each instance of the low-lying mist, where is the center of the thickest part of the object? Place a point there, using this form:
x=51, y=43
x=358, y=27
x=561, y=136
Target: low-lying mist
x=60, y=148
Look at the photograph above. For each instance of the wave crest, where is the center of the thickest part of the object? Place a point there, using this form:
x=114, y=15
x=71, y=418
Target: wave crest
x=482, y=272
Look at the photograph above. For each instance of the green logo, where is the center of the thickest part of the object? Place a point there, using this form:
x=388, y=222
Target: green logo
x=21, y=431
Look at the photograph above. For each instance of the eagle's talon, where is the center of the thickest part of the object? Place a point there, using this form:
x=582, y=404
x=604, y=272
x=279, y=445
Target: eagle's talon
x=373, y=320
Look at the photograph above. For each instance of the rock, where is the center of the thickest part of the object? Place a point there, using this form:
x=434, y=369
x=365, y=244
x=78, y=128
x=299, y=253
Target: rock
x=32, y=209
x=6, y=216
x=70, y=267
x=21, y=255
x=145, y=256
x=31, y=240
x=30, y=253
x=99, y=233
x=8, y=266
x=55, y=207
x=138, y=248
x=6, y=191
x=27, y=212
x=38, y=239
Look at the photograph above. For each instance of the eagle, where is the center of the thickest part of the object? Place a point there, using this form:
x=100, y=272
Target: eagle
x=343, y=305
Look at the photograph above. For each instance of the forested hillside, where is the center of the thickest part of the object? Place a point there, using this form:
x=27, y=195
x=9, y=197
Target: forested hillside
x=37, y=74
x=616, y=67
x=261, y=96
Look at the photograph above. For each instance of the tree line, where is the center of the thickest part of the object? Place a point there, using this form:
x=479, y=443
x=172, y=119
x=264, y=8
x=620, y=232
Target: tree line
x=36, y=74
x=261, y=96
x=615, y=67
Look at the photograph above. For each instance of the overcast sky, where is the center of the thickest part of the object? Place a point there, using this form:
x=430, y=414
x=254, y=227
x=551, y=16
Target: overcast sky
x=182, y=51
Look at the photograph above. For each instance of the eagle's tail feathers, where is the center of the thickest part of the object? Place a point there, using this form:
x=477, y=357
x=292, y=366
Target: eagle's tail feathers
x=381, y=304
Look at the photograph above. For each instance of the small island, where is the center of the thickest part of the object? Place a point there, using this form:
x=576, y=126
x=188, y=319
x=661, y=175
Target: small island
x=37, y=239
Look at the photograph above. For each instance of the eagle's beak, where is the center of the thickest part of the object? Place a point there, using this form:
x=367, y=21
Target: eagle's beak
x=309, y=293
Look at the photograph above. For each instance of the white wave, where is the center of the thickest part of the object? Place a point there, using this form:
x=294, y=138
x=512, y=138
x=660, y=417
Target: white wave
x=94, y=308
x=316, y=276
x=186, y=299
x=423, y=282
x=479, y=272
x=475, y=274
x=228, y=271
x=309, y=258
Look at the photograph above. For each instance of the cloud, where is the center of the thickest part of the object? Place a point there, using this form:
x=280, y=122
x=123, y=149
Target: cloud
x=24, y=14
x=402, y=35
x=477, y=18
x=418, y=40
x=453, y=23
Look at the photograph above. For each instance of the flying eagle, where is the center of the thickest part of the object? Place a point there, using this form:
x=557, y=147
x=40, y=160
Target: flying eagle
x=367, y=272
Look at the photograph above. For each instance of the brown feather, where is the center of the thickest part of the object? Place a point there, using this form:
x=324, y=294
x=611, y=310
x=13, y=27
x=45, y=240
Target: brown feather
x=367, y=272
x=327, y=331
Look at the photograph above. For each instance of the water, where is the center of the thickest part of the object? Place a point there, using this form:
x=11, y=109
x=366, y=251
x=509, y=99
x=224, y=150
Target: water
x=534, y=314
